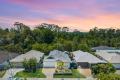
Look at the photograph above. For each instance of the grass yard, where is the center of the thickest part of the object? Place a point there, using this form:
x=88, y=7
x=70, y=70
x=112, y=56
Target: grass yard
x=75, y=74
x=2, y=73
x=37, y=74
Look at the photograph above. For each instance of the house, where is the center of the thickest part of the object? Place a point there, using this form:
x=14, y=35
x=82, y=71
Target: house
x=56, y=56
x=85, y=59
x=17, y=61
x=112, y=57
x=105, y=48
x=4, y=57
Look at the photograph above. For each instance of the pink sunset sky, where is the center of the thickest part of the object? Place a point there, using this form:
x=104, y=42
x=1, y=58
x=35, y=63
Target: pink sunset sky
x=76, y=14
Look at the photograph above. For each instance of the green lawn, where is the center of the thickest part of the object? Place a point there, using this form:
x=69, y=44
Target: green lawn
x=2, y=73
x=37, y=74
x=75, y=74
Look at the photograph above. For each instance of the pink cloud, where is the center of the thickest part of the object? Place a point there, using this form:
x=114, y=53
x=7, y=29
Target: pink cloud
x=80, y=5
x=89, y=13
x=73, y=22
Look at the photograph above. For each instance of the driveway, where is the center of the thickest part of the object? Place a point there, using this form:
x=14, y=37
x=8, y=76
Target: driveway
x=49, y=72
x=117, y=72
x=11, y=72
x=85, y=72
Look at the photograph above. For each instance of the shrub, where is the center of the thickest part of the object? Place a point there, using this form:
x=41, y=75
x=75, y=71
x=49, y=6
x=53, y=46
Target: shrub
x=25, y=65
x=110, y=76
x=103, y=68
x=30, y=65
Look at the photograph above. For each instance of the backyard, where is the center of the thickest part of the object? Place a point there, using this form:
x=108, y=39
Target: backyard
x=37, y=74
x=75, y=74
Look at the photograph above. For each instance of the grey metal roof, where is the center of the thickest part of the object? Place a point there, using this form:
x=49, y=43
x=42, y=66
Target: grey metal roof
x=103, y=48
x=31, y=54
x=110, y=57
x=58, y=55
x=81, y=56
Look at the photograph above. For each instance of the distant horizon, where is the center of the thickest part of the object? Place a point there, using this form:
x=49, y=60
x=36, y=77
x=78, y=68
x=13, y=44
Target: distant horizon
x=70, y=29
x=76, y=14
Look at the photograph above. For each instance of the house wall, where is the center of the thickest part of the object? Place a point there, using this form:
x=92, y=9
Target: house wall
x=53, y=64
x=49, y=64
x=20, y=65
x=17, y=64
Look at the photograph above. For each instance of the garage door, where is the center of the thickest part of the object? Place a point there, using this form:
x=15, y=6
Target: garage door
x=83, y=64
x=49, y=64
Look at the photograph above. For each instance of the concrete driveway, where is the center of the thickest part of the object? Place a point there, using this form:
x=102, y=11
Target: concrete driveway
x=49, y=72
x=117, y=72
x=85, y=72
x=11, y=72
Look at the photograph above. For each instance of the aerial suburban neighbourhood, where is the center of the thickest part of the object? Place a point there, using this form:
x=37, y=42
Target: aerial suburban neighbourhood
x=50, y=52
x=59, y=64
x=59, y=39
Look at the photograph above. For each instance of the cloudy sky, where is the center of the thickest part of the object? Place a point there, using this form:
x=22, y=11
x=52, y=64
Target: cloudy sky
x=76, y=14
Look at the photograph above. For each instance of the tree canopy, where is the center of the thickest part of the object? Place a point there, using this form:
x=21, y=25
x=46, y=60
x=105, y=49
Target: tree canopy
x=46, y=37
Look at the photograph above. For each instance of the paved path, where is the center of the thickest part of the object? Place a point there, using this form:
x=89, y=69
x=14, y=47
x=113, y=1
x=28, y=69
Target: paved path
x=10, y=72
x=49, y=72
x=117, y=72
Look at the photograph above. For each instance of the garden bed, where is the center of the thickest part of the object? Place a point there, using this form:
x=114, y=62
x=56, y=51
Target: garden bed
x=75, y=74
x=64, y=71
